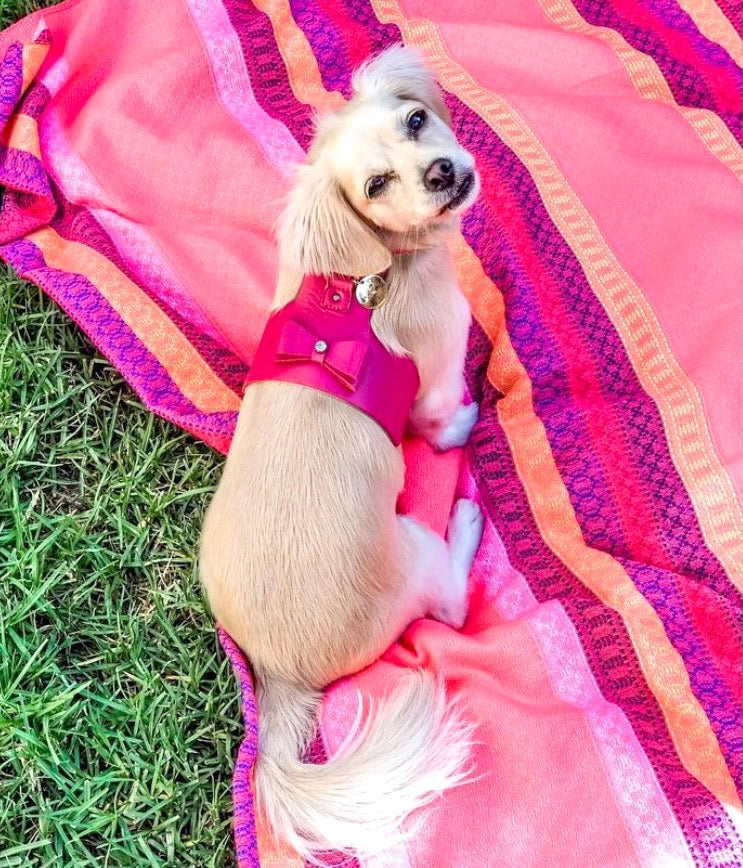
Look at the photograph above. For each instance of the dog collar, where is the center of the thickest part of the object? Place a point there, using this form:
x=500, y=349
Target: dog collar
x=323, y=339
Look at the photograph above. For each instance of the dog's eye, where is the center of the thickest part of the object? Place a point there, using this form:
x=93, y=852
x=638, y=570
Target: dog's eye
x=415, y=121
x=375, y=185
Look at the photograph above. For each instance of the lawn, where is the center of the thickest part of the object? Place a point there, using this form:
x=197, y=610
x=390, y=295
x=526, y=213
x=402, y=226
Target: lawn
x=119, y=717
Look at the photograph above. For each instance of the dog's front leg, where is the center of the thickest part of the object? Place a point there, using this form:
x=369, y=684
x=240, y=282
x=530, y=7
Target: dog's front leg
x=439, y=413
x=440, y=416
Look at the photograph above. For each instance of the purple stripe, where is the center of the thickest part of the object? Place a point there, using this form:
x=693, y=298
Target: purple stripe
x=601, y=630
x=587, y=486
x=661, y=589
x=644, y=436
x=687, y=83
x=644, y=440
x=548, y=371
x=267, y=72
x=34, y=101
x=22, y=213
x=22, y=171
x=382, y=36
x=76, y=223
x=11, y=81
x=309, y=15
x=112, y=337
x=28, y=202
x=679, y=19
x=246, y=845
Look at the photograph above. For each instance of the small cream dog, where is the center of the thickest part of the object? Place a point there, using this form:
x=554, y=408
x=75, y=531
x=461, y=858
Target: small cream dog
x=304, y=560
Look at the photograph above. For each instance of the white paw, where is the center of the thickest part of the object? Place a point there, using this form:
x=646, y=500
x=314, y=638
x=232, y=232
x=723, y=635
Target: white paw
x=463, y=537
x=464, y=534
x=457, y=432
x=453, y=612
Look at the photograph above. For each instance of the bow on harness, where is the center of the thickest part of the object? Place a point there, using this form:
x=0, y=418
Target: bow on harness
x=342, y=358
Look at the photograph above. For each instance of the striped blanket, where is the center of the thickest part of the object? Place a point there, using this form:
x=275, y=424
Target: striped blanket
x=145, y=147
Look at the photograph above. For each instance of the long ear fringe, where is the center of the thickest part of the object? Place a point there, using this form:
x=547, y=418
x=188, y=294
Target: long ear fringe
x=401, y=71
x=320, y=233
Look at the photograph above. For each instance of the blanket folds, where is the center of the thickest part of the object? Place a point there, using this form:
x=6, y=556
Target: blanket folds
x=144, y=149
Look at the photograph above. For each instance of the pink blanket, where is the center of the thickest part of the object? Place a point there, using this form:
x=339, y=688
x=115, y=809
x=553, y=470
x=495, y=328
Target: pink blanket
x=145, y=146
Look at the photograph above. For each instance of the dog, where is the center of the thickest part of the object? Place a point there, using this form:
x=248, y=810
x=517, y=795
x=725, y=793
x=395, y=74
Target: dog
x=303, y=558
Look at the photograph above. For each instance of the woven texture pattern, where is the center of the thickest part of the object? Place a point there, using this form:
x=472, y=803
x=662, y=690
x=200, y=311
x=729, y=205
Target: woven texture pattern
x=144, y=149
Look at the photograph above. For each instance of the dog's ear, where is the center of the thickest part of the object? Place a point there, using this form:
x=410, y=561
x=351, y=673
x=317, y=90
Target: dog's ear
x=320, y=233
x=401, y=71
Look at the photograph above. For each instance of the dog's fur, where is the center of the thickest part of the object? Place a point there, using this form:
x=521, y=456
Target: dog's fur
x=303, y=559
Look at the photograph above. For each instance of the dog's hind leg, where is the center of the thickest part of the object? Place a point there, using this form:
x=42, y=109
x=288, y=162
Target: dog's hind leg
x=435, y=570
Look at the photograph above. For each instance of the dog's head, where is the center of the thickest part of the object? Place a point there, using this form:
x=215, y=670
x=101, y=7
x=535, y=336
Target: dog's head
x=385, y=171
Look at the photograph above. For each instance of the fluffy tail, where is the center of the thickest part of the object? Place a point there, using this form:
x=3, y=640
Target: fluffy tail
x=412, y=746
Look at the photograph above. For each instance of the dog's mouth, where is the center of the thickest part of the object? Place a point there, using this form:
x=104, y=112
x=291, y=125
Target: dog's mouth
x=461, y=192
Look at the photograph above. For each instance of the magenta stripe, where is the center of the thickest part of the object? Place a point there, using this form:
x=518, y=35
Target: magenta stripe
x=603, y=367
x=708, y=79
x=267, y=72
x=601, y=630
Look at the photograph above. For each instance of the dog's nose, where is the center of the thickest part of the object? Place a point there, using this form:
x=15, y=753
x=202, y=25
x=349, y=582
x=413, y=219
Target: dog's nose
x=439, y=176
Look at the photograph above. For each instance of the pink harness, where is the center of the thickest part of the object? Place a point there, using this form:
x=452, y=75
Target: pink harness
x=323, y=339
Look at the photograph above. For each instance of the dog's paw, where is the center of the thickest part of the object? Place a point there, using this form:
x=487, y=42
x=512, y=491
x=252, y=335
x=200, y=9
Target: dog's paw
x=453, y=612
x=457, y=432
x=464, y=534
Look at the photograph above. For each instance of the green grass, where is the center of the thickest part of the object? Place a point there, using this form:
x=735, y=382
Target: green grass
x=12, y=10
x=119, y=717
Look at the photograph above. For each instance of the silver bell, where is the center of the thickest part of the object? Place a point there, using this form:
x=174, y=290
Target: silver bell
x=371, y=291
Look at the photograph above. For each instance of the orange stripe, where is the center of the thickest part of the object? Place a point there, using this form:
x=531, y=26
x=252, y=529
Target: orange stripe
x=712, y=22
x=22, y=133
x=553, y=513
x=704, y=477
x=198, y=383
x=664, y=669
x=650, y=83
x=306, y=83
x=33, y=55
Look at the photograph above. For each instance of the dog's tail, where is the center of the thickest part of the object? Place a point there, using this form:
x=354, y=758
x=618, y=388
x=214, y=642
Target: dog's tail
x=412, y=746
